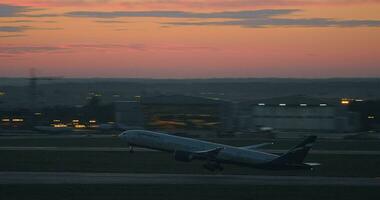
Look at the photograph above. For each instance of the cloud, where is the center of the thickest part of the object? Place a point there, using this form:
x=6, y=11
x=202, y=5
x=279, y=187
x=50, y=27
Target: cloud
x=12, y=11
x=110, y=21
x=268, y=22
x=237, y=3
x=7, y=10
x=176, y=4
x=13, y=28
x=180, y=14
x=24, y=28
x=18, y=21
x=246, y=18
x=132, y=46
x=8, y=36
x=17, y=50
x=28, y=49
x=12, y=50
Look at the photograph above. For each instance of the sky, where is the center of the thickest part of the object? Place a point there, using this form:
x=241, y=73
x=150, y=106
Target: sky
x=190, y=38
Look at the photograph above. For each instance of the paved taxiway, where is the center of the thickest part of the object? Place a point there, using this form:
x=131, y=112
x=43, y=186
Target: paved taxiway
x=118, y=149
x=119, y=178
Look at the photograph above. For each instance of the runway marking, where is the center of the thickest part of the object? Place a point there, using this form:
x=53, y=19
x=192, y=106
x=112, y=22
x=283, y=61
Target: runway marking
x=122, y=178
x=126, y=149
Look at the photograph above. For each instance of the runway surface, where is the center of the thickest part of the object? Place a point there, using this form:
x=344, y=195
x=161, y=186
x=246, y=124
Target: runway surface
x=119, y=178
x=119, y=149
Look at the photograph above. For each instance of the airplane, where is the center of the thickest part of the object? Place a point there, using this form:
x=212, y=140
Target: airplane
x=214, y=154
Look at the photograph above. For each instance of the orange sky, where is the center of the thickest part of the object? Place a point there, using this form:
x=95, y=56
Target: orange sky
x=190, y=38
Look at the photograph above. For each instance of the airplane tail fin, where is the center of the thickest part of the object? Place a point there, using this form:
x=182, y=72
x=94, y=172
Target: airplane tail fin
x=297, y=154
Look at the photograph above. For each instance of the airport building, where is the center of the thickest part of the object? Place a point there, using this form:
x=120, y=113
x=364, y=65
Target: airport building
x=300, y=113
x=287, y=114
x=177, y=112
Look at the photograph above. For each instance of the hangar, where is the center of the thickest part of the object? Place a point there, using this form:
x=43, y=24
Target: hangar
x=301, y=113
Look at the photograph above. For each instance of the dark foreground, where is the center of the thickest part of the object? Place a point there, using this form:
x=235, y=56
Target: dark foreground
x=183, y=179
x=184, y=192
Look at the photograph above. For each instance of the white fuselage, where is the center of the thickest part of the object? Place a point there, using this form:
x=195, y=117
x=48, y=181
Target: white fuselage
x=171, y=143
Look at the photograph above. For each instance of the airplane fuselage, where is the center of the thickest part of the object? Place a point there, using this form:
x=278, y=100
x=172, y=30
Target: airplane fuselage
x=228, y=154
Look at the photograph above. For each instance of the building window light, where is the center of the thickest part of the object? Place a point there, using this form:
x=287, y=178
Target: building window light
x=371, y=117
x=59, y=125
x=345, y=101
x=282, y=104
x=80, y=126
x=323, y=104
x=261, y=104
x=303, y=104
x=17, y=120
x=5, y=120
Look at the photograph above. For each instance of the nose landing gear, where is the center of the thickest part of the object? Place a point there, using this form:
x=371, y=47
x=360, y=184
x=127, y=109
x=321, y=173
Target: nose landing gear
x=213, y=166
x=131, y=150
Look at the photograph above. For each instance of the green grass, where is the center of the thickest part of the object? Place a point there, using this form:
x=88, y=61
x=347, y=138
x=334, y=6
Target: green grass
x=157, y=162
x=368, y=145
x=184, y=192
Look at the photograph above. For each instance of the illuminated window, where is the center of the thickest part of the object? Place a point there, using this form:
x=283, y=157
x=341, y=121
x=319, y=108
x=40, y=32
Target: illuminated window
x=261, y=104
x=282, y=104
x=92, y=121
x=303, y=104
x=5, y=120
x=371, y=117
x=322, y=104
x=17, y=120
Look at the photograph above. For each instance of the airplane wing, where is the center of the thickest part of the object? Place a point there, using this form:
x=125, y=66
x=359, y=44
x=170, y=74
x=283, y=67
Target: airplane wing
x=208, y=154
x=256, y=146
x=187, y=156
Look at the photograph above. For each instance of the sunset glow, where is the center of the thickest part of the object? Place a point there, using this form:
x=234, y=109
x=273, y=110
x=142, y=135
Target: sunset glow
x=190, y=38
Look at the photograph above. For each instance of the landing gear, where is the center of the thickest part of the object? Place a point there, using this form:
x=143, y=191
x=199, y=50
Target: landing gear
x=131, y=150
x=213, y=166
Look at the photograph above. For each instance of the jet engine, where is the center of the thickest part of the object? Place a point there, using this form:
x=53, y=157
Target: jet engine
x=183, y=156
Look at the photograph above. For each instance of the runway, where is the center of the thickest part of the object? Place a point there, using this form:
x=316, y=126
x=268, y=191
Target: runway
x=120, y=178
x=125, y=149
